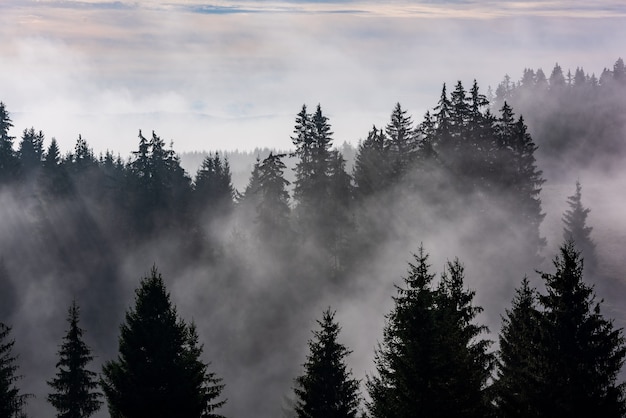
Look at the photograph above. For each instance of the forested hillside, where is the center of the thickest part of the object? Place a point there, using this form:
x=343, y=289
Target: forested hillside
x=427, y=248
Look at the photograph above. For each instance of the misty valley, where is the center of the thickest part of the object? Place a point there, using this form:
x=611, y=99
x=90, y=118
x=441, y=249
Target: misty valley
x=443, y=267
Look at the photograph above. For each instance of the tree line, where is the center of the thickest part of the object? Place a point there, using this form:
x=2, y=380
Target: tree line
x=557, y=356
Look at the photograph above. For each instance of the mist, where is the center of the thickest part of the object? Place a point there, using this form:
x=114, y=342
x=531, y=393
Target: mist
x=233, y=78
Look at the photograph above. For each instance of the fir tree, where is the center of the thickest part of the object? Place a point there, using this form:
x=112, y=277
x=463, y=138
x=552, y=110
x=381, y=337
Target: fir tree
x=519, y=382
x=8, y=158
x=213, y=189
x=74, y=386
x=400, y=142
x=30, y=150
x=272, y=210
x=371, y=169
x=431, y=362
x=576, y=229
x=584, y=351
x=326, y=389
x=12, y=402
x=159, y=372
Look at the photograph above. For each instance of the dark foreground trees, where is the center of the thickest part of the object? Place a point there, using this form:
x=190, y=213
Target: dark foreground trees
x=327, y=389
x=432, y=362
x=74, y=386
x=564, y=359
x=12, y=401
x=159, y=372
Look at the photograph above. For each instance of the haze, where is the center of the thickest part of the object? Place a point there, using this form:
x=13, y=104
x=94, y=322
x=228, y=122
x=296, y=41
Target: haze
x=233, y=74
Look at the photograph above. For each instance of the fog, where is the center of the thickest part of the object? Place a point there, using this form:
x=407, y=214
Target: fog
x=231, y=77
x=234, y=79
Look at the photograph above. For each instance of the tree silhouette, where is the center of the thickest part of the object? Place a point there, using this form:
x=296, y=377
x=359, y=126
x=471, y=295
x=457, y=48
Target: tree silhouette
x=12, y=401
x=159, y=372
x=326, y=389
x=74, y=386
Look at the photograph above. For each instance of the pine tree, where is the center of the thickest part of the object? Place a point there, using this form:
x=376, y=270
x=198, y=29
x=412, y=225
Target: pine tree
x=272, y=210
x=30, y=151
x=371, y=168
x=8, y=158
x=12, y=402
x=431, y=362
x=74, y=386
x=327, y=389
x=518, y=386
x=400, y=142
x=576, y=229
x=584, y=352
x=213, y=189
x=159, y=372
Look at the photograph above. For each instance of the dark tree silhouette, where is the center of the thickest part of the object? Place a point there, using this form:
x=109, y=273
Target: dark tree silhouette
x=326, y=389
x=518, y=386
x=159, y=372
x=584, y=351
x=12, y=402
x=8, y=158
x=431, y=362
x=576, y=229
x=74, y=386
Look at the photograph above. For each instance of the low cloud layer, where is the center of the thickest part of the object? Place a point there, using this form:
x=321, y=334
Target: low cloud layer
x=207, y=77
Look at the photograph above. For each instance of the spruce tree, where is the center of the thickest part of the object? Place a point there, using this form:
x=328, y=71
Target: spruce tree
x=400, y=142
x=272, y=209
x=12, y=402
x=431, y=362
x=8, y=158
x=584, y=351
x=159, y=371
x=371, y=169
x=213, y=189
x=326, y=389
x=74, y=386
x=576, y=229
x=519, y=381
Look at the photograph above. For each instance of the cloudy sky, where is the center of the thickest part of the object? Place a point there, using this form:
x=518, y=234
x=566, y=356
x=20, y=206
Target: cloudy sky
x=233, y=74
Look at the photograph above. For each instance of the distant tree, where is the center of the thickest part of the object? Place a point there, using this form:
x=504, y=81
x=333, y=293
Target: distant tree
x=54, y=180
x=340, y=206
x=576, y=229
x=74, y=386
x=619, y=71
x=431, y=362
x=371, y=169
x=313, y=139
x=584, y=351
x=519, y=382
x=12, y=402
x=400, y=141
x=327, y=389
x=159, y=372
x=557, y=79
x=30, y=150
x=8, y=158
x=213, y=189
x=272, y=209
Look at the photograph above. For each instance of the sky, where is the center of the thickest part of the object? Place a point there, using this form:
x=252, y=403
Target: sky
x=226, y=75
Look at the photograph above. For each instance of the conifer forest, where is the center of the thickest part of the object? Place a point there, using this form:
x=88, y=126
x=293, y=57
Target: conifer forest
x=444, y=266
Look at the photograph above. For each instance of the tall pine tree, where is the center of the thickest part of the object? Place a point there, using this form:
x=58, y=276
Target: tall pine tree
x=159, y=372
x=12, y=402
x=518, y=387
x=74, y=386
x=431, y=362
x=327, y=389
x=584, y=351
x=576, y=229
